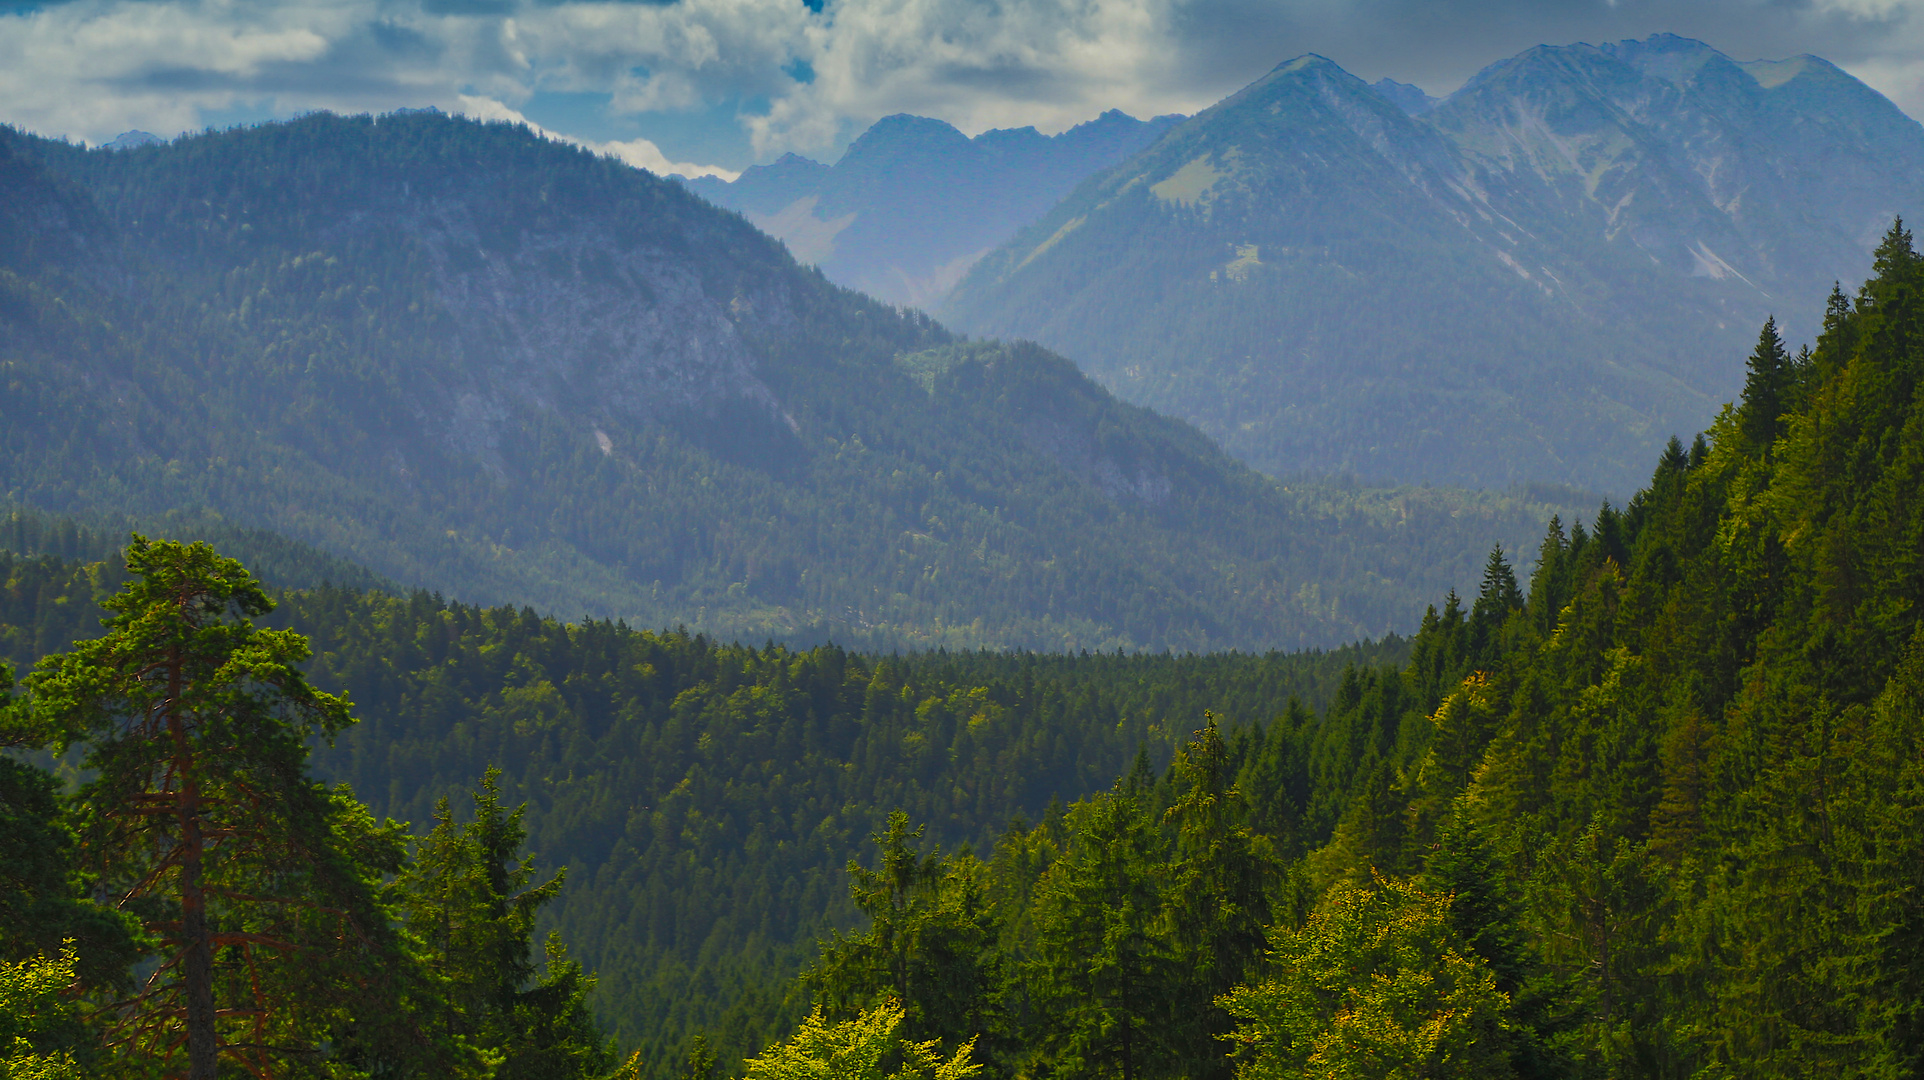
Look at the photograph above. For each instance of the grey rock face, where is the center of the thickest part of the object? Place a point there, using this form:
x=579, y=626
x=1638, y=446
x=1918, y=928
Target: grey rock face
x=572, y=322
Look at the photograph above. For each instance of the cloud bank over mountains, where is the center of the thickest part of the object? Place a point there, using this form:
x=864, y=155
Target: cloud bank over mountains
x=714, y=85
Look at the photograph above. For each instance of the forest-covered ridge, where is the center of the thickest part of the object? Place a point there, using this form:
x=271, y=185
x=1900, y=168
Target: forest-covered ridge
x=1656, y=817
x=482, y=363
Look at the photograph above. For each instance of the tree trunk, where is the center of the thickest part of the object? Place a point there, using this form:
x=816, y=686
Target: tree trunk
x=197, y=963
x=197, y=967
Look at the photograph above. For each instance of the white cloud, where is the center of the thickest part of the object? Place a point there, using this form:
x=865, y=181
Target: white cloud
x=639, y=153
x=93, y=68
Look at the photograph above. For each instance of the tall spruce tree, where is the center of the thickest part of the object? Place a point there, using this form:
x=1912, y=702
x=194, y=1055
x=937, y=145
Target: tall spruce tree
x=1217, y=897
x=1103, y=972
x=1496, y=598
x=931, y=945
x=1767, y=386
x=468, y=901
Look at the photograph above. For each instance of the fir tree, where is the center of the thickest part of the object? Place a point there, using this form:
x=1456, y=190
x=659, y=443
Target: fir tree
x=468, y=900
x=1767, y=385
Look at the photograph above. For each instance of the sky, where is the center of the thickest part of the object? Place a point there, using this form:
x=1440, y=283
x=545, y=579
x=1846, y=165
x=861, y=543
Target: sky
x=712, y=86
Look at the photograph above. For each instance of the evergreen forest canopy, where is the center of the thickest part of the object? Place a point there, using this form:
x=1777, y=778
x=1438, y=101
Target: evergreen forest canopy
x=482, y=363
x=1656, y=815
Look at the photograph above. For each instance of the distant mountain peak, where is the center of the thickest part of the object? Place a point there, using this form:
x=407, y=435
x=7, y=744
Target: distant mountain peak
x=1666, y=56
x=913, y=202
x=1411, y=99
x=128, y=140
x=1305, y=62
x=1632, y=208
x=901, y=131
x=791, y=163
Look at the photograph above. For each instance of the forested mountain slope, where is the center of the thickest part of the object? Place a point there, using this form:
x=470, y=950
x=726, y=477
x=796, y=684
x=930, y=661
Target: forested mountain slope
x=1542, y=276
x=476, y=361
x=913, y=202
x=1681, y=789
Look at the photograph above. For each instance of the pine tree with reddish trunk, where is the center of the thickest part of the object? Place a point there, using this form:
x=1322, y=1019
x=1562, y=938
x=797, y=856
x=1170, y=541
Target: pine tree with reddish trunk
x=256, y=884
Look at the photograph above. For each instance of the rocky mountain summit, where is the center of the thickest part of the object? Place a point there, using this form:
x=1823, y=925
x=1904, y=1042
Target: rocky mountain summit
x=913, y=202
x=1544, y=275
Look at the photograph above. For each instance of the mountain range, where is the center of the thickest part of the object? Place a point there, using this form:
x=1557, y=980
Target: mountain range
x=914, y=202
x=1544, y=275
x=477, y=361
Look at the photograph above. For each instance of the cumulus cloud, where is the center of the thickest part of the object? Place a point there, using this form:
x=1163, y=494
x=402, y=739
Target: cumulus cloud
x=788, y=76
x=639, y=153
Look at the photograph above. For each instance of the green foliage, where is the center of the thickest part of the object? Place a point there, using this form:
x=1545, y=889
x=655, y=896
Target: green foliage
x=1657, y=817
x=1104, y=975
x=284, y=931
x=199, y=818
x=706, y=797
x=859, y=1049
x=44, y=902
x=464, y=895
x=1375, y=985
x=32, y=1015
x=1675, y=800
x=931, y=943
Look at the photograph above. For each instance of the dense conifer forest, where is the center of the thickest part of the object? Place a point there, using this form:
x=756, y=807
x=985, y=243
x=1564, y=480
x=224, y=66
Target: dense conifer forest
x=1653, y=812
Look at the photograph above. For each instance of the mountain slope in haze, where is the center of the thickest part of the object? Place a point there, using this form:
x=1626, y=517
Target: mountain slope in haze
x=476, y=361
x=1544, y=275
x=914, y=202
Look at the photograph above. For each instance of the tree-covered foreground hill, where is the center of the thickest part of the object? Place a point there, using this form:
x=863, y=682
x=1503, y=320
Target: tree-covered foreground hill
x=476, y=361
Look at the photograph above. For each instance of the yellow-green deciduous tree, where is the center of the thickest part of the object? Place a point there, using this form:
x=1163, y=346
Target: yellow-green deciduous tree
x=1375, y=986
x=860, y=1049
x=31, y=1010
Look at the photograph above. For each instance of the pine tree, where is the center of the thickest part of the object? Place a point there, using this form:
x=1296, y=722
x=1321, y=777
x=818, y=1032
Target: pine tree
x=1895, y=255
x=1218, y=895
x=931, y=946
x=1496, y=598
x=256, y=882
